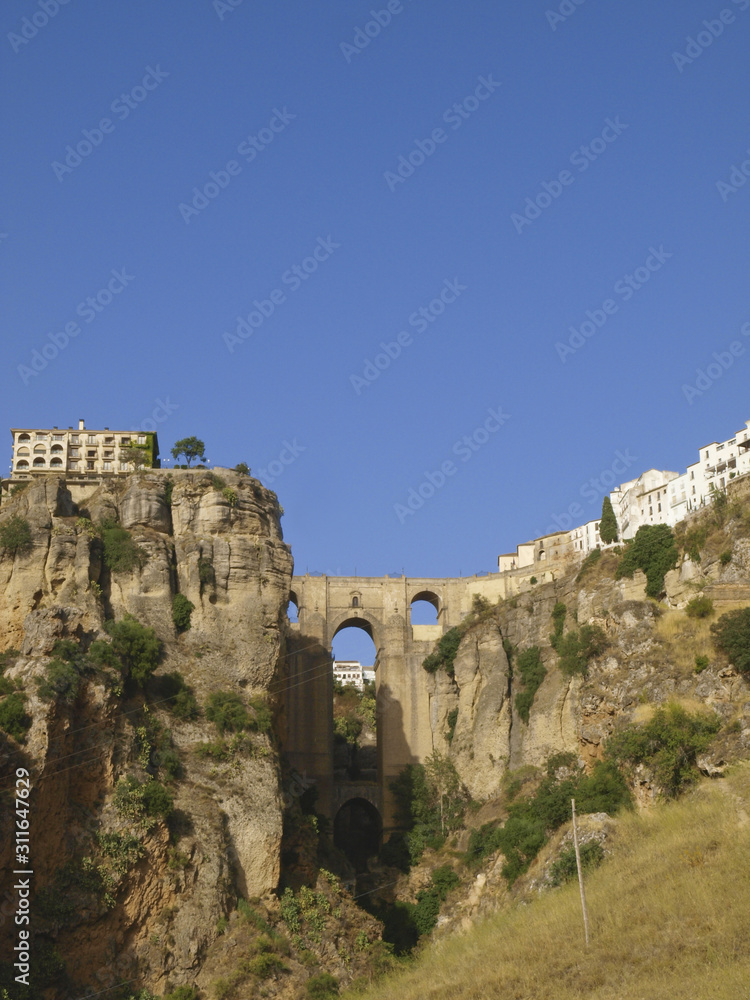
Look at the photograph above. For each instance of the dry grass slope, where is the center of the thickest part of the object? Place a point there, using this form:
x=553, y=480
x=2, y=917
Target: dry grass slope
x=670, y=914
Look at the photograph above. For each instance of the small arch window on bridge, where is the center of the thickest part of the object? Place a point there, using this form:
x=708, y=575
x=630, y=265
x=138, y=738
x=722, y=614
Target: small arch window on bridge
x=292, y=611
x=355, y=601
x=425, y=608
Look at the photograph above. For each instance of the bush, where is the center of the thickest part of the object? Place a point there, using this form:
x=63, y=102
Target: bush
x=654, y=551
x=60, y=682
x=445, y=654
x=182, y=608
x=138, y=647
x=451, y=719
x=531, y=821
x=731, y=633
x=121, y=553
x=102, y=654
x=206, y=574
x=532, y=672
x=668, y=745
x=565, y=868
x=15, y=535
x=13, y=718
x=725, y=558
x=227, y=711
x=263, y=720
x=322, y=987
x=591, y=560
x=559, y=613
x=701, y=662
x=576, y=649
x=533, y=580
x=141, y=801
x=230, y=495
x=179, y=697
x=699, y=607
x=694, y=541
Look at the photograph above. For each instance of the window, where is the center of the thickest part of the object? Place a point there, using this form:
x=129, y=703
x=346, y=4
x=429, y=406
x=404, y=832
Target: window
x=24, y=437
x=109, y=454
x=41, y=437
x=39, y=449
x=125, y=442
x=22, y=451
x=693, y=490
x=91, y=454
x=57, y=437
x=706, y=452
x=74, y=439
x=89, y=465
x=23, y=464
x=692, y=474
x=141, y=439
x=38, y=463
x=123, y=466
x=57, y=449
x=73, y=466
x=107, y=466
x=56, y=463
x=659, y=507
x=74, y=453
x=91, y=439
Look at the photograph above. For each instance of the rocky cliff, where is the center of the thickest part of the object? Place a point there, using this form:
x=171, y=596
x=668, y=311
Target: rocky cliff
x=218, y=542
x=649, y=659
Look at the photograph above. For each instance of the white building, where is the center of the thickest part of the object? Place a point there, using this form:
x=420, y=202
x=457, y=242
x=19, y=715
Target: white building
x=79, y=452
x=350, y=672
x=655, y=497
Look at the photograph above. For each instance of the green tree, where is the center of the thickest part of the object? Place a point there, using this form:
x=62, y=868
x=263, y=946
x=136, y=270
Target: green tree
x=121, y=552
x=445, y=790
x=668, y=744
x=15, y=535
x=136, y=456
x=182, y=608
x=227, y=711
x=532, y=672
x=654, y=551
x=608, y=524
x=13, y=717
x=731, y=633
x=190, y=447
x=243, y=468
x=138, y=647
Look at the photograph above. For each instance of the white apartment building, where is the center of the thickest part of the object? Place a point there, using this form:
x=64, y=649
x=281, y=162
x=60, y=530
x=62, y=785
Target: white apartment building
x=350, y=672
x=655, y=497
x=78, y=452
x=586, y=537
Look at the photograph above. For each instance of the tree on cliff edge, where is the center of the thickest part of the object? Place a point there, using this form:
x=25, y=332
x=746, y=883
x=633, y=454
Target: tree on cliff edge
x=191, y=448
x=608, y=523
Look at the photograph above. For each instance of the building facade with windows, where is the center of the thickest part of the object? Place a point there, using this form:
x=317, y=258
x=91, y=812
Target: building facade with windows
x=350, y=672
x=80, y=452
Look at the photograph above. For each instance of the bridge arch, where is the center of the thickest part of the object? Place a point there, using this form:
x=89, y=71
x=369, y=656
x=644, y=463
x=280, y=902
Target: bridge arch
x=357, y=618
x=358, y=828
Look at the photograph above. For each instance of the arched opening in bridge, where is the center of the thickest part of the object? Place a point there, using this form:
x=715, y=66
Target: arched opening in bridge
x=354, y=728
x=425, y=608
x=357, y=830
x=292, y=611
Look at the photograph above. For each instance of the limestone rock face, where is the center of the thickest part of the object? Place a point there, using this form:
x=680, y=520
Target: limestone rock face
x=220, y=544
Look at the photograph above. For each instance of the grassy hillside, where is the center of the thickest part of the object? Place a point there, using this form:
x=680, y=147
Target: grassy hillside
x=669, y=911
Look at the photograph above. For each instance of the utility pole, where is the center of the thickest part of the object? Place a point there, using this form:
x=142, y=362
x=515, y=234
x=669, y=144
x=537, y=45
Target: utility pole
x=580, y=876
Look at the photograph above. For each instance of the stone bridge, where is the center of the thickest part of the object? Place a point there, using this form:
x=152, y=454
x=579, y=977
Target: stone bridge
x=382, y=608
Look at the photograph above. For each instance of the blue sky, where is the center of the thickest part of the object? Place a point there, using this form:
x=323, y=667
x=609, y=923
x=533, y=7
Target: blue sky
x=314, y=133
